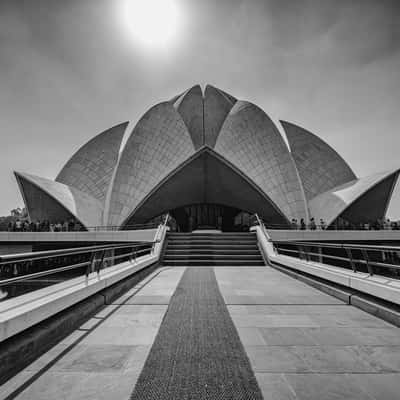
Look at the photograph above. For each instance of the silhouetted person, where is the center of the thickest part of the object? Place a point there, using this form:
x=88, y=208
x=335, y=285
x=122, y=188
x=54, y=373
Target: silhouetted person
x=18, y=225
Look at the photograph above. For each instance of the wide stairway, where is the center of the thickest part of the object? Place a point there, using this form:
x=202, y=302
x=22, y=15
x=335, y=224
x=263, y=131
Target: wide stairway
x=212, y=249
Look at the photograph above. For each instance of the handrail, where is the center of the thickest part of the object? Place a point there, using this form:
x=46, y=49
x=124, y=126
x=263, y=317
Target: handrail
x=53, y=271
x=167, y=216
x=94, y=262
x=330, y=228
x=303, y=249
x=340, y=245
x=148, y=225
x=38, y=255
x=260, y=223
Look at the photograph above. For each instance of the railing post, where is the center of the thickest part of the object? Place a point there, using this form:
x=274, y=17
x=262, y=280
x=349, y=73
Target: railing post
x=300, y=251
x=100, y=264
x=92, y=262
x=366, y=258
x=320, y=257
x=350, y=256
x=306, y=253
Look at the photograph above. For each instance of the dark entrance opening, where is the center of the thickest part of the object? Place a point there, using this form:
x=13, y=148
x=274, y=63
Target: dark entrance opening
x=209, y=216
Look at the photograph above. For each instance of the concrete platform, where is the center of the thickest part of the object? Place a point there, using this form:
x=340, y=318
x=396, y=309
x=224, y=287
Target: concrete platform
x=302, y=343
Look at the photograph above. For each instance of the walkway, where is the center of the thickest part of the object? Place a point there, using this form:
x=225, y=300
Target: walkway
x=300, y=343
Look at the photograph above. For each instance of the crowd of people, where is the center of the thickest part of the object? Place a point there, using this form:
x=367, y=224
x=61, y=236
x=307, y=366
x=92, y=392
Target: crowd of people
x=312, y=225
x=342, y=224
x=23, y=225
x=20, y=225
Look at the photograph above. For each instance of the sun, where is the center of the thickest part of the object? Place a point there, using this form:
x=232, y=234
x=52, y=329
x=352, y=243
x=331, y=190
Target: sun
x=151, y=23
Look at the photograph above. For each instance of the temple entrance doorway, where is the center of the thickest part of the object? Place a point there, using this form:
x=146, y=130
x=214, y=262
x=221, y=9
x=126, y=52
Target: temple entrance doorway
x=209, y=217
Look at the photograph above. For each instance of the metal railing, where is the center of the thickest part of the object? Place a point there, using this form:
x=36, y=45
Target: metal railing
x=372, y=259
x=21, y=273
x=322, y=227
x=96, y=259
x=150, y=225
x=258, y=221
x=97, y=228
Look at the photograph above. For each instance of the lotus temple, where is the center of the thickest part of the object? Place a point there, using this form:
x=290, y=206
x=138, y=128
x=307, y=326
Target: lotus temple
x=210, y=160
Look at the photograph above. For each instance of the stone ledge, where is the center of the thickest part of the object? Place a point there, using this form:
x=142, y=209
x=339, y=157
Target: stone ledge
x=377, y=286
x=375, y=306
x=340, y=293
x=20, y=350
x=379, y=310
x=139, y=235
x=29, y=309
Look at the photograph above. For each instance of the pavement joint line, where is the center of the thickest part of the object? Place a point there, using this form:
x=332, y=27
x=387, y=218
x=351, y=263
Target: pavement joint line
x=145, y=282
x=46, y=367
x=261, y=371
x=139, y=304
x=285, y=304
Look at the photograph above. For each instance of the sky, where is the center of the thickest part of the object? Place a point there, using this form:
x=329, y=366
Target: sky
x=71, y=69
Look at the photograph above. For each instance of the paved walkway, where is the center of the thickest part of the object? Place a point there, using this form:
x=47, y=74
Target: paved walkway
x=301, y=343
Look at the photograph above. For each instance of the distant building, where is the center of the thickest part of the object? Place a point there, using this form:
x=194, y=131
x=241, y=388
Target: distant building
x=210, y=160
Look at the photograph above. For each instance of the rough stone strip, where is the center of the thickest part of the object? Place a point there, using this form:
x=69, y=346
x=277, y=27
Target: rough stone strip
x=197, y=353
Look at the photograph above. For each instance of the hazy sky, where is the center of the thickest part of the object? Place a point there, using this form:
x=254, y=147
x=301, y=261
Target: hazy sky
x=70, y=69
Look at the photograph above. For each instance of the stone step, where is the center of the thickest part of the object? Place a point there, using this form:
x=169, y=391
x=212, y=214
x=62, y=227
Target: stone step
x=213, y=256
x=211, y=242
x=233, y=249
x=212, y=235
x=214, y=263
x=230, y=251
x=238, y=247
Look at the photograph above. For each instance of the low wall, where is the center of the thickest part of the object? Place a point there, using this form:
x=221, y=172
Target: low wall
x=143, y=235
x=32, y=323
x=357, y=288
x=20, y=350
x=20, y=313
x=337, y=236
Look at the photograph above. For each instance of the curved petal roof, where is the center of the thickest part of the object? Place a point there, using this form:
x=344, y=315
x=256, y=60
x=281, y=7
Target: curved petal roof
x=206, y=178
x=333, y=203
x=90, y=169
x=320, y=167
x=218, y=149
x=217, y=105
x=158, y=144
x=190, y=107
x=58, y=201
x=250, y=141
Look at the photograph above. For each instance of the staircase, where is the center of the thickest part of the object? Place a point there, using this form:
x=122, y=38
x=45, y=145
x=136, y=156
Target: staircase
x=212, y=249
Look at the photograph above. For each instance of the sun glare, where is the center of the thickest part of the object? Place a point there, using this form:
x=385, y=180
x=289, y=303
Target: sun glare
x=151, y=23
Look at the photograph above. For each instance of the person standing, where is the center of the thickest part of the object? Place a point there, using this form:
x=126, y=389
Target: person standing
x=18, y=225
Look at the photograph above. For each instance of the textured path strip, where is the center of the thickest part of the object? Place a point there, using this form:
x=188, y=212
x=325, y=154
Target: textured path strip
x=197, y=353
